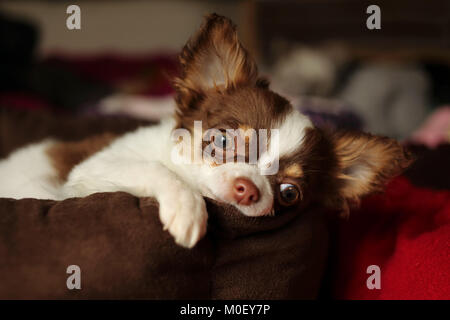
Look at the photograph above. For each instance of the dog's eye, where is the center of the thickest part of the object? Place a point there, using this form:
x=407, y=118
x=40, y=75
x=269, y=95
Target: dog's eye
x=289, y=193
x=222, y=142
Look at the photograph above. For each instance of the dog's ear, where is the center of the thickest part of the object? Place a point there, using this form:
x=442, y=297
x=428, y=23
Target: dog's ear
x=365, y=163
x=213, y=59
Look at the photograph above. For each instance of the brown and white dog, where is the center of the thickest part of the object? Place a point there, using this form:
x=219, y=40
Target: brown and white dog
x=219, y=88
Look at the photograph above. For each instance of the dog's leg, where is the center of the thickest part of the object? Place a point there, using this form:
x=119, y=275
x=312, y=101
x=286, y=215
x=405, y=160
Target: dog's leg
x=182, y=210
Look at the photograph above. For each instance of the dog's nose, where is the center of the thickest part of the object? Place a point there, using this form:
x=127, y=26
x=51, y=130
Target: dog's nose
x=245, y=192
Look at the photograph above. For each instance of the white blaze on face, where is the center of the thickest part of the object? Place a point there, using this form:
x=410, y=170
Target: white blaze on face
x=284, y=140
x=292, y=131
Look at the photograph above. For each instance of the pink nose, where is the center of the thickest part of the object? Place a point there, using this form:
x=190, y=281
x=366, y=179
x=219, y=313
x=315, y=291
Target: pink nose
x=245, y=192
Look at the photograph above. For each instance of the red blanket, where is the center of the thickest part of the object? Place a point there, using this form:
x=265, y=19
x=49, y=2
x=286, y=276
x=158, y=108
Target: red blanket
x=406, y=232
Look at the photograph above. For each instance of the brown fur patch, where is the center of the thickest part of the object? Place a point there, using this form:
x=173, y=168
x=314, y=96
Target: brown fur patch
x=247, y=107
x=317, y=162
x=294, y=171
x=66, y=155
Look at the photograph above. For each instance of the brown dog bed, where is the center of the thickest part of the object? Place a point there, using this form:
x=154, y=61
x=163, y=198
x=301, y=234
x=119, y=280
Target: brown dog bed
x=118, y=242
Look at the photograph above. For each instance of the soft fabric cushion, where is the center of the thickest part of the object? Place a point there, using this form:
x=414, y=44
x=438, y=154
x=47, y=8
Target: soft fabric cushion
x=118, y=242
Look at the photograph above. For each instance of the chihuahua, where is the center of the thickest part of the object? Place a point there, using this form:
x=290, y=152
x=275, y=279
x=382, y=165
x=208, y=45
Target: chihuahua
x=218, y=88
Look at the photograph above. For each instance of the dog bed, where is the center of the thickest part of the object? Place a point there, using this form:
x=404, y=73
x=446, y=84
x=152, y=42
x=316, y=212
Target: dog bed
x=118, y=242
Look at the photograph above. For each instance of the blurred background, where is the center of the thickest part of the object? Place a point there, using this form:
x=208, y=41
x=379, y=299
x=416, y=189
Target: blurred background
x=393, y=81
x=113, y=75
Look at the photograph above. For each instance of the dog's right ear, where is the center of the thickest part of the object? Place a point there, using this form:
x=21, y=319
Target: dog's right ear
x=213, y=59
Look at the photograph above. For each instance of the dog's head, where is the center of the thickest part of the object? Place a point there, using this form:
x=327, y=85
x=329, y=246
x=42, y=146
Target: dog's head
x=257, y=152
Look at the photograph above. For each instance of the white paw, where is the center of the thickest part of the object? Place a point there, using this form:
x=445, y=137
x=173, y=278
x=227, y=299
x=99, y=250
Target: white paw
x=183, y=214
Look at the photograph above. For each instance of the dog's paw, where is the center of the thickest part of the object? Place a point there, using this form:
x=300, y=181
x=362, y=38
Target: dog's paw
x=183, y=214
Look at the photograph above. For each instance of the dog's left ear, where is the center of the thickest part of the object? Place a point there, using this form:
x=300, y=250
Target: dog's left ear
x=213, y=59
x=365, y=163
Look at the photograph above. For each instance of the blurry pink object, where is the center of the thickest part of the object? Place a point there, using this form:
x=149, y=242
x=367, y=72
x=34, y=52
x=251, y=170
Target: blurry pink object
x=136, y=106
x=435, y=130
